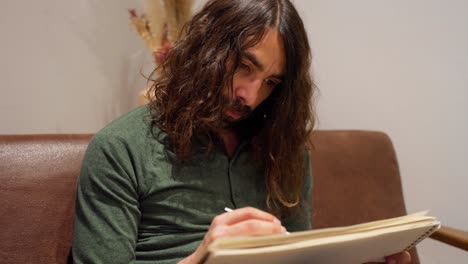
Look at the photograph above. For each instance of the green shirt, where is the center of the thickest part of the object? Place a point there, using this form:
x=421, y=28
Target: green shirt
x=137, y=203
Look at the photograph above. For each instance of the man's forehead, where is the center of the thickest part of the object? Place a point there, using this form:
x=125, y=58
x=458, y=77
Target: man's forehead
x=268, y=53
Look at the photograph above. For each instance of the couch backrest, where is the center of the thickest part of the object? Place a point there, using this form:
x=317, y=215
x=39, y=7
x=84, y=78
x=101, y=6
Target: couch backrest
x=37, y=188
x=355, y=179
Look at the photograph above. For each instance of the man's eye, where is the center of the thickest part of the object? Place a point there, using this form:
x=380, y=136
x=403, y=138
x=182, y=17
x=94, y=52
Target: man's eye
x=271, y=83
x=245, y=67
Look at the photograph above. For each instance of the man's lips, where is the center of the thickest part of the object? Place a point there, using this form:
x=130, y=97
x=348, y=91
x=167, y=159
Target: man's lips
x=233, y=114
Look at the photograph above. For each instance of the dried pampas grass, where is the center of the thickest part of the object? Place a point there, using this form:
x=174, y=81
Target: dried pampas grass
x=166, y=19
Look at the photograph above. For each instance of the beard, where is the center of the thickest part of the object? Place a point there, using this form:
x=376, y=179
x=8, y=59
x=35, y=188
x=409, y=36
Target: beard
x=234, y=113
x=236, y=116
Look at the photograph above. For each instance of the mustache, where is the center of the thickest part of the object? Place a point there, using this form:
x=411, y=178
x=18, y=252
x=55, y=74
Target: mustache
x=237, y=106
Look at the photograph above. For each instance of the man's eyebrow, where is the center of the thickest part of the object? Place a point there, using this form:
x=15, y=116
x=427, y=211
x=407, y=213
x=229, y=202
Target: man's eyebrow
x=252, y=58
x=278, y=76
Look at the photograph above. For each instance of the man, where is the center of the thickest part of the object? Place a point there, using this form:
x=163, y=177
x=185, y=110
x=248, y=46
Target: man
x=227, y=126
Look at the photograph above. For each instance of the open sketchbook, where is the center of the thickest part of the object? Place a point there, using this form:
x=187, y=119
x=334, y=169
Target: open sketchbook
x=361, y=243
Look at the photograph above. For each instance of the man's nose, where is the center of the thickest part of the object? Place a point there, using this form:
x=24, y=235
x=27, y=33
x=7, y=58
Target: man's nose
x=249, y=92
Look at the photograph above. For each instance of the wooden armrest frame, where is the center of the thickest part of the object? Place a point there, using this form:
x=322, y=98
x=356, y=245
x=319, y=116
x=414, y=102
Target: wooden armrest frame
x=452, y=236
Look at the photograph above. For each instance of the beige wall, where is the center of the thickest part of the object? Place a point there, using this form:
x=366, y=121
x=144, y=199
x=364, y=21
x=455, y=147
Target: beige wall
x=397, y=66
x=401, y=67
x=67, y=66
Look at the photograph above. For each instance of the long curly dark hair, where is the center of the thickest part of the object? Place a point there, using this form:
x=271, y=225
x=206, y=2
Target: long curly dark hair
x=187, y=99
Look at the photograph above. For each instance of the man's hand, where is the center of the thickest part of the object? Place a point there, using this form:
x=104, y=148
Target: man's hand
x=246, y=221
x=399, y=258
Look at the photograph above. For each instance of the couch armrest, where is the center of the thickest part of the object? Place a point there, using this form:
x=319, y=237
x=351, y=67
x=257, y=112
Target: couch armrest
x=452, y=236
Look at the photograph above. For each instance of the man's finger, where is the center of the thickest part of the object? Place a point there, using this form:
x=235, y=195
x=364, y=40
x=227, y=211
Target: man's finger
x=243, y=214
x=399, y=258
x=255, y=228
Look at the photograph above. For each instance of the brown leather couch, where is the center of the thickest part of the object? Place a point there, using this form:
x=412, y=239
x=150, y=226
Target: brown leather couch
x=356, y=179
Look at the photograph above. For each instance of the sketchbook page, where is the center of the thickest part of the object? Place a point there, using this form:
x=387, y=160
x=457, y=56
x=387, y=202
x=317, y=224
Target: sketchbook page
x=248, y=242
x=351, y=248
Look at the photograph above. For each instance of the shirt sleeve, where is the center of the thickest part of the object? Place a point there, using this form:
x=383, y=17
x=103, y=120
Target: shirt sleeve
x=106, y=209
x=302, y=220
